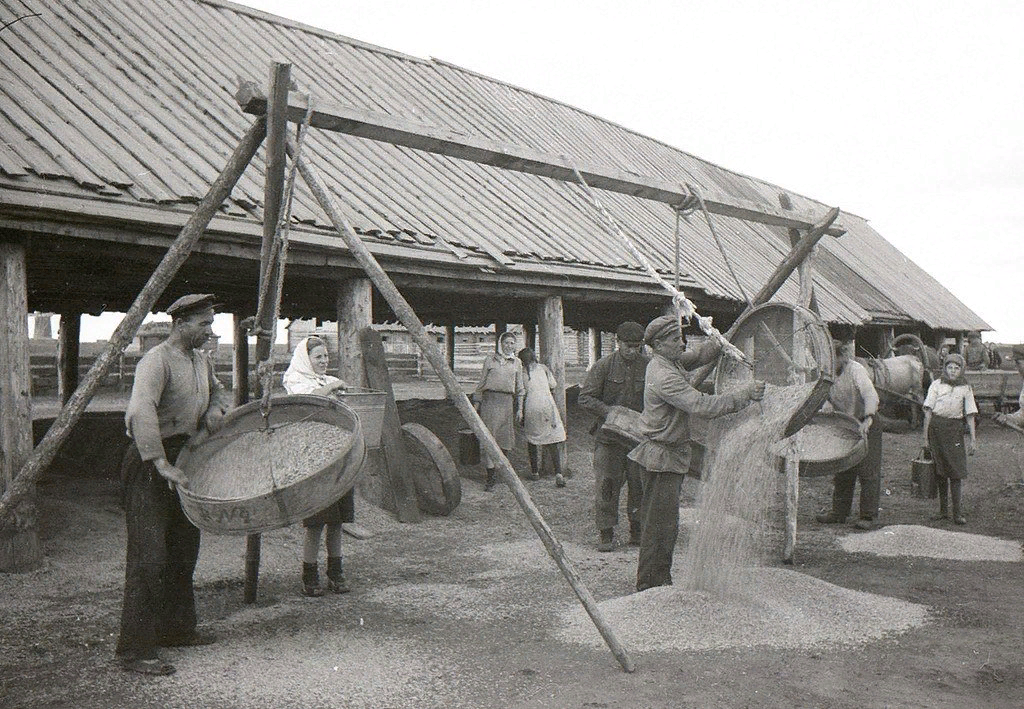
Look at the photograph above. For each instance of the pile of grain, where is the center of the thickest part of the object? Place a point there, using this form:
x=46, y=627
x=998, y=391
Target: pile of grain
x=258, y=462
x=773, y=608
x=742, y=483
x=915, y=540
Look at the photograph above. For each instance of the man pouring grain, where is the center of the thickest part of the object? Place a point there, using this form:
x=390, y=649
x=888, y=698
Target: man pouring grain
x=174, y=394
x=664, y=454
x=853, y=394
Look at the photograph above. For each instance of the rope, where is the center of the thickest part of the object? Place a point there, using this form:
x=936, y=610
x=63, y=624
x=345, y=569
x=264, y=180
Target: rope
x=279, y=255
x=721, y=246
x=683, y=306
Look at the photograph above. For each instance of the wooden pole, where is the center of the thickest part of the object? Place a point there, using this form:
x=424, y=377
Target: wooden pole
x=428, y=346
x=552, y=353
x=69, y=335
x=778, y=277
x=449, y=344
x=594, y=353
x=176, y=255
x=19, y=539
x=433, y=139
x=273, y=189
x=792, y=503
x=240, y=361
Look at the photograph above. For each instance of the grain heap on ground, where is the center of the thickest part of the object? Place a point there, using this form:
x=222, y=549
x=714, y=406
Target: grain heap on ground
x=259, y=462
x=915, y=540
x=774, y=608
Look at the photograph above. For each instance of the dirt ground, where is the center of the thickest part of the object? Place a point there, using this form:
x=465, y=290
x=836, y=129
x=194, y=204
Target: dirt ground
x=462, y=611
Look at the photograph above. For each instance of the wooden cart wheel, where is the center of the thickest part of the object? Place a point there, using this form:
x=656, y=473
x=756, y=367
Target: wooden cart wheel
x=434, y=473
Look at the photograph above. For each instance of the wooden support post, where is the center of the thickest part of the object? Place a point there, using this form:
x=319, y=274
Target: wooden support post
x=500, y=326
x=273, y=188
x=449, y=344
x=594, y=353
x=792, y=503
x=69, y=335
x=240, y=361
x=176, y=255
x=354, y=308
x=552, y=353
x=530, y=335
x=19, y=538
x=428, y=346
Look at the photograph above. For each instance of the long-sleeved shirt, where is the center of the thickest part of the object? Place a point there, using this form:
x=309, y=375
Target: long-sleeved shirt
x=669, y=401
x=501, y=374
x=171, y=393
x=853, y=393
x=613, y=381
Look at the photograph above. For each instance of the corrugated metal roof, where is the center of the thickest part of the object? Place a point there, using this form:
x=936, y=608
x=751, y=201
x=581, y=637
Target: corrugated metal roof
x=134, y=102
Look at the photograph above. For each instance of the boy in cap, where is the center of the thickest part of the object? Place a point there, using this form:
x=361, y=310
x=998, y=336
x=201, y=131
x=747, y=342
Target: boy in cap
x=175, y=393
x=616, y=380
x=664, y=454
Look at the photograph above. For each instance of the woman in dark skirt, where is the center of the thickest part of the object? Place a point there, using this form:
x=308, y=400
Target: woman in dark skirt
x=948, y=405
x=307, y=374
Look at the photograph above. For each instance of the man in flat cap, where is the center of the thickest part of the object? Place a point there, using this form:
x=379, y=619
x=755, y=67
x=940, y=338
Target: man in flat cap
x=616, y=380
x=664, y=453
x=174, y=394
x=1016, y=419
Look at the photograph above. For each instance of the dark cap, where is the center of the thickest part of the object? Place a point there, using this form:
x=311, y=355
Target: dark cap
x=630, y=331
x=1018, y=352
x=188, y=304
x=660, y=327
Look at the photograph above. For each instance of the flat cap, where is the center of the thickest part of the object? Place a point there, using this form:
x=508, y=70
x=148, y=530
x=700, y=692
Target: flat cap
x=1018, y=352
x=188, y=304
x=660, y=327
x=630, y=331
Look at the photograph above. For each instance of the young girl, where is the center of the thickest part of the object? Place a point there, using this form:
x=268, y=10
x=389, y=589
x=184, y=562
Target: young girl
x=540, y=418
x=307, y=374
x=949, y=401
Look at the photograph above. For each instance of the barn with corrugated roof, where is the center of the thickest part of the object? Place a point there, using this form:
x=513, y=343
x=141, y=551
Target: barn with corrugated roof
x=115, y=118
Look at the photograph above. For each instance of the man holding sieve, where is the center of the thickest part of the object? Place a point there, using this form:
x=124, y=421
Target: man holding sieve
x=664, y=454
x=174, y=394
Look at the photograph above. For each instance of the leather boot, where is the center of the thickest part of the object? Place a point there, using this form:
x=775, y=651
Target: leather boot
x=606, y=540
x=311, y=580
x=335, y=578
x=491, y=480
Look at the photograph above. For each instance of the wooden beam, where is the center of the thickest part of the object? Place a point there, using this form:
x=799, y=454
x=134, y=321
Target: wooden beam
x=778, y=277
x=594, y=351
x=430, y=350
x=361, y=123
x=552, y=353
x=270, y=267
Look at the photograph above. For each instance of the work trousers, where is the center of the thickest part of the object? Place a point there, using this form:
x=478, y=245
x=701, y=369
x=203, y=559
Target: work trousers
x=659, y=522
x=611, y=469
x=163, y=546
x=869, y=472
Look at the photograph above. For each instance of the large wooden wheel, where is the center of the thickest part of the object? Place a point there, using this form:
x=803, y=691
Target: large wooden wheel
x=434, y=473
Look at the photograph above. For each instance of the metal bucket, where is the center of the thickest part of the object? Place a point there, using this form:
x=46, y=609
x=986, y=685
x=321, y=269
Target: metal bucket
x=469, y=447
x=922, y=476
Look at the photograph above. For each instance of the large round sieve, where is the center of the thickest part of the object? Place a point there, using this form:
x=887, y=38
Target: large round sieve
x=784, y=344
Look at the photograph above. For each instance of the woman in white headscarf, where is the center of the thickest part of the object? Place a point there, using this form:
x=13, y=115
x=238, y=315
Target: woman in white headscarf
x=498, y=396
x=307, y=374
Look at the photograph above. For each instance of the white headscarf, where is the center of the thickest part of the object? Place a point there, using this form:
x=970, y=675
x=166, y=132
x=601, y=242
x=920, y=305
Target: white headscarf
x=300, y=377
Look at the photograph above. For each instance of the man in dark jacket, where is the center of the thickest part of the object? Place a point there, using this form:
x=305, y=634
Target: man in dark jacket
x=616, y=380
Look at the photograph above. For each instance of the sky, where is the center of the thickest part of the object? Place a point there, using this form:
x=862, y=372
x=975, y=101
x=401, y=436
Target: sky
x=909, y=114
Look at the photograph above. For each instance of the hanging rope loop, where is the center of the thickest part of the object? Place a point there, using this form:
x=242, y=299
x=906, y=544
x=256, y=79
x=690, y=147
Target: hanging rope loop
x=277, y=258
x=684, y=307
